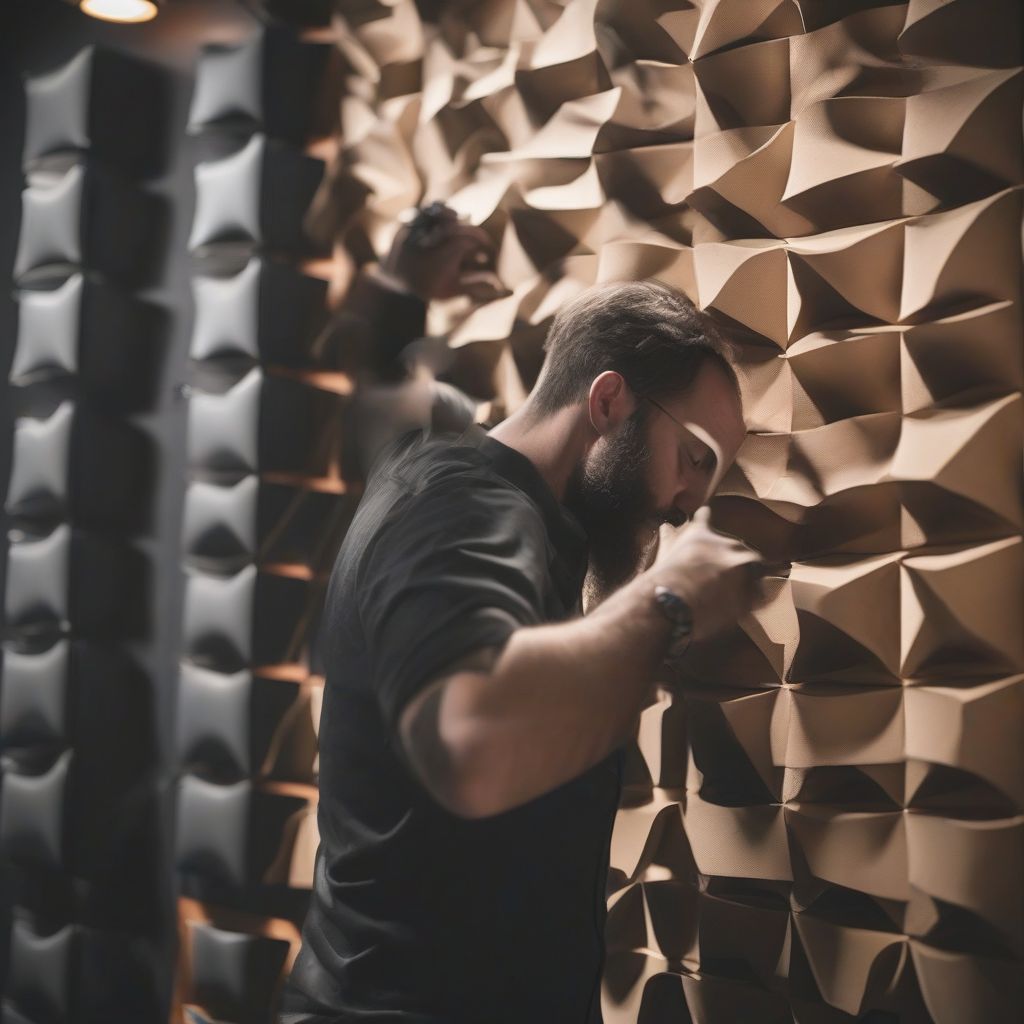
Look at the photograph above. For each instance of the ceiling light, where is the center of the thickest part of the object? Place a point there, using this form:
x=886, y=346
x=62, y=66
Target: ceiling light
x=120, y=10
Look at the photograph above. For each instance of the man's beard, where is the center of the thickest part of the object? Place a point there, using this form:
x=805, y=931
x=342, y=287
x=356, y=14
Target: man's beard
x=613, y=502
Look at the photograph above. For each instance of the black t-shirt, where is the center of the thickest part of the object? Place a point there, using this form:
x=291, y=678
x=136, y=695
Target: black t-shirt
x=418, y=915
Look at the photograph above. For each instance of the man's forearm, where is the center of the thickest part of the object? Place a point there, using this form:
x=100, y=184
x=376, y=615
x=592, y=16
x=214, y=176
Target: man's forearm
x=391, y=318
x=556, y=701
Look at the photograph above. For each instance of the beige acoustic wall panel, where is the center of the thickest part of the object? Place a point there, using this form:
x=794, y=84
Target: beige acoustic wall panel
x=824, y=821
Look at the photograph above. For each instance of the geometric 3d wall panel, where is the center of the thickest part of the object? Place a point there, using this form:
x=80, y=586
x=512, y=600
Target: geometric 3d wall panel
x=101, y=102
x=312, y=13
x=255, y=198
x=267, y=83
x=253, y=520
x=234, y=976
x=73, y=693
x=824, y=810
x=251, y=617
x=267, y=312
x=77, y=974
x=265, y=508
x=81, y=465
x=233, y=833
x=266, y=424
x=34, y=814
x=89, y=217
x=71, y=579
x=88, y=330
x=63, y=817
x=78, y=791
x=242, y=724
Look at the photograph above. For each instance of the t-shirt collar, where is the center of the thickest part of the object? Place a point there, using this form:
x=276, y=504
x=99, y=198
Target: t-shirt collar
x=563, y=527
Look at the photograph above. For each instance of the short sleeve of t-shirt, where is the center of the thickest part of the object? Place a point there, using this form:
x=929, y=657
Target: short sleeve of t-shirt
x=458, y=567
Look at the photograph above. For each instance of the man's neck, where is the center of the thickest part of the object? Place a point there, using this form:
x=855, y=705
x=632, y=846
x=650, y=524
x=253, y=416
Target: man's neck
x=555, y=444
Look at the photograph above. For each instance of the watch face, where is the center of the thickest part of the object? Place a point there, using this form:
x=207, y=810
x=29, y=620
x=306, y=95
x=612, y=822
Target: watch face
x=675, y=609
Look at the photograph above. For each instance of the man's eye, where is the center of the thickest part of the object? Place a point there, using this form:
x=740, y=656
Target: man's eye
x=699, y=460
x=703, y=460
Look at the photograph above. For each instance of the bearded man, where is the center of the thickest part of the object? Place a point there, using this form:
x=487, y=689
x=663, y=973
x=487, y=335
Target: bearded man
x=473, y=717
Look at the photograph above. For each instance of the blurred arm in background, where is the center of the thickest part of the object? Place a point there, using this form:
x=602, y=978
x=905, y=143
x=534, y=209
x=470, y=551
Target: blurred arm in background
x=382, y=328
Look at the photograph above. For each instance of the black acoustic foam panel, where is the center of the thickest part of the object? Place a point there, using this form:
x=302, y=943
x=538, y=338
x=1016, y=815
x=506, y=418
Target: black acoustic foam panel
x=233, y=724
x=76, y=814
x=101, y=102
x=314, y=13
x=264, y=424
x=269, y=312
x=106, y=338
x=76, y=693
x=34, y=814
x=88, y=217
x=251, y=618
x=253, y=520
x=235, y=976
x=254, y=199
x=76, y=975
x=81, y=465
x=268, y=83
x=231, y=833
x=74, y=580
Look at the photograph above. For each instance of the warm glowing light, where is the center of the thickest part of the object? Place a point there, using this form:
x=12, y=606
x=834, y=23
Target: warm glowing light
x=120, y=10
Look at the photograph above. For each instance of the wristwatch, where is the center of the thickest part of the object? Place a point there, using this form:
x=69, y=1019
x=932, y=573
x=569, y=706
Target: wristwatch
x=679, y=615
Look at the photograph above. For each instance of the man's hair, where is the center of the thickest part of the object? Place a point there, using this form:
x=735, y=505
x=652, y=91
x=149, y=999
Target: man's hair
x=650, y=333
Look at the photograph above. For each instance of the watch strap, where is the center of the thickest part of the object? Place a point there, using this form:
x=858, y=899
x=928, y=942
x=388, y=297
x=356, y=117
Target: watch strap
x=680, y=617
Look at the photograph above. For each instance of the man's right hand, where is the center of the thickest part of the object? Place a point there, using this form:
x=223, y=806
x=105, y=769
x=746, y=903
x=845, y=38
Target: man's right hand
x=717, y=576
x=487, y=737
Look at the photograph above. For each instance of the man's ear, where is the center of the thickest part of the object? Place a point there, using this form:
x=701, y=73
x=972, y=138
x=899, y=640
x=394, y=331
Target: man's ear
x=610, y=402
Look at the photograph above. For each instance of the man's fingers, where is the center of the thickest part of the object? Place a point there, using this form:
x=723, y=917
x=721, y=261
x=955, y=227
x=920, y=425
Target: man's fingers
x=668, y=533
x=474, y=234
x=463, y=254
x=466, y=236
x=746, y=563
x=702, y=517
x=482, y=285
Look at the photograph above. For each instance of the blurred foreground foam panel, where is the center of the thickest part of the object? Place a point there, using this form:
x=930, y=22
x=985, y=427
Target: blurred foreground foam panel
x=265, y=505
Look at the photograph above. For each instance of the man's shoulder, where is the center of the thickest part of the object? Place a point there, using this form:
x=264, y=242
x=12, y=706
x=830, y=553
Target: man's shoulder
x=422, y=451
x=426, y=492
x=436, y=464
x=444, y=484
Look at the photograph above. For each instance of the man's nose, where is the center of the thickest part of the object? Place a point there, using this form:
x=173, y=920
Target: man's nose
x=676, y=518
x=684, y=505
x=693, y=490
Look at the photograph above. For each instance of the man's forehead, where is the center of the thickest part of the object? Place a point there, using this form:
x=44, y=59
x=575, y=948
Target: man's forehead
x=713, y=401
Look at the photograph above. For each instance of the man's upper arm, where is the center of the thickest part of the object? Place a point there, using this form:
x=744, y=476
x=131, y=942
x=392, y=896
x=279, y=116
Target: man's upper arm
x=458, y=571
x=419, y=726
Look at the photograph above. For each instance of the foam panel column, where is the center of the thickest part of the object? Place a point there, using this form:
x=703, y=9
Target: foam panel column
x=77, y=790
x=265, y=506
